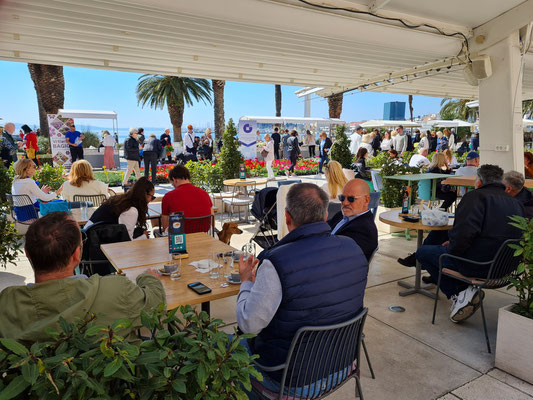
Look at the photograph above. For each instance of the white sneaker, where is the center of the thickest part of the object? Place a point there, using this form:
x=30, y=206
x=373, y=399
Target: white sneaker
x=465, y=304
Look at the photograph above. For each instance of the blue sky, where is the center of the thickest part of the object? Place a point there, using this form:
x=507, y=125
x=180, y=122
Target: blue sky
x=91, y=89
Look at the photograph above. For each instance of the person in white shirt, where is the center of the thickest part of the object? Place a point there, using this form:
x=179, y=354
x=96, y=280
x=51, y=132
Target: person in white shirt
x=386, y=143
x=355, y=139
x=188, y=140
x=269, y=148
x=24, y=184
x=424, y=141
x=420, y=159
x=81, y=181
x=109, y=145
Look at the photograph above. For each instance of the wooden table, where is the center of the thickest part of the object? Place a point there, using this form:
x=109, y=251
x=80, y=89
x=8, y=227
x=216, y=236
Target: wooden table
x=392, y=218
x=470, y=181
x=246, y=182
x=133, y=258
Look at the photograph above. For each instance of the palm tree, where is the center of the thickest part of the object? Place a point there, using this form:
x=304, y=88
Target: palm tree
x=218, y=95
x=456, y=109
x=411, y=106
x=527, y=108
x=335, y=105
x=49, y=85
x=278, y=100
x=175, y=92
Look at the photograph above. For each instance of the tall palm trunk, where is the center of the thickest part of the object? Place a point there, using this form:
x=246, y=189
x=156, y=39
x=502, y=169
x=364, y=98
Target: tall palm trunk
x=335, y=105
x=278, y=100
x=50, y=88
x=411, y=106
x=175, y=111
x=218, y=94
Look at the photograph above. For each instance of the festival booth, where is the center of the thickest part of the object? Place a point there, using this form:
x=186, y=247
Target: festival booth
x=248, y=126
x=381, y=123
x=59, y=124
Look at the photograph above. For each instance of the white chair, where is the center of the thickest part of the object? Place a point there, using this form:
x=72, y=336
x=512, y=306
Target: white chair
x=349, y=173
x=240, y=198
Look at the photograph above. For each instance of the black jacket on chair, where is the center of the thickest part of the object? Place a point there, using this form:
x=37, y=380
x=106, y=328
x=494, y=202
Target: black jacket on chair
x=361, y=229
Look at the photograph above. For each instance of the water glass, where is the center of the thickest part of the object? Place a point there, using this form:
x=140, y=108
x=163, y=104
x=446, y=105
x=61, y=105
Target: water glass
x=228, y=264
x=214, y=272
x=175, y=275
x=84, y=211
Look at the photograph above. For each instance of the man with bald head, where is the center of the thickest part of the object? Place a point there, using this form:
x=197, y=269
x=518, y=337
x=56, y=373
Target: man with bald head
x=8, y=144
x=355, y=219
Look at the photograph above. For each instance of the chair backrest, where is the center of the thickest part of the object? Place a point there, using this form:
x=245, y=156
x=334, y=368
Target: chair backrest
x=349, y=173
x=242, y=189
x=333, y=208
x=424, y=190
x=373, y=205
x=377, y=181
x=22, y=209
x=372, y=256
x=289, y=182
x=503, y=266
x=323, y=357
x=96, y=199
x=205, y=223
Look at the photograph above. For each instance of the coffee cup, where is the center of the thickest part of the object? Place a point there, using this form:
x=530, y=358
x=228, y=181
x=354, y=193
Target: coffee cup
x=169, y=268
x=235, y=277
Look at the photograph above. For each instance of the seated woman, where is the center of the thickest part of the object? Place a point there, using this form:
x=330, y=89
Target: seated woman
x=81, y=181
x=335, y=181
x=444, y=192
x=450, y=158
x=129, y=209
x=24, y=184
x=359, y=166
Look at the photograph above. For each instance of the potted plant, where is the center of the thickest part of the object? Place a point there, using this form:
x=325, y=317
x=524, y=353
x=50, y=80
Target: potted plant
x=169, y=149
x=514, y=351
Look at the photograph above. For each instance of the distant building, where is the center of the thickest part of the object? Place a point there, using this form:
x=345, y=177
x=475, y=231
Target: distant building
x=394, y=111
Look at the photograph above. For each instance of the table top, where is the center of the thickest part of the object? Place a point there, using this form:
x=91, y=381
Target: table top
x=247, y=181
x=136, y=257
x=417, y=177
x=470, y=181
x=154, y=211
x=392, y=218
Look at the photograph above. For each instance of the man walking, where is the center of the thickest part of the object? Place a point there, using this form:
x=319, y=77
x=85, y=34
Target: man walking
x=277, y=139
x=131, y=154
x=74, y=140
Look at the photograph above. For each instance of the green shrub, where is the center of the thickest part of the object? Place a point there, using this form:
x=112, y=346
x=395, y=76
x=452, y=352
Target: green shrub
x=206, y=175
x=91, y=139
x=340, y=151
x=112, y=178
x=5, y=181
x=378, y=160
x=188, y=360
x=10, y=241
x=230, y=156
x=45, y=159
x=392, y=193
x=51, y=176
x=44, y=145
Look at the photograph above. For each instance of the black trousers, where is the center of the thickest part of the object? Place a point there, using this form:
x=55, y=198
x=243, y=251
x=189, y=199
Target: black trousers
x=292, y=156
x=150, y=160
x=311, y=151
x=76, y=153
x=276, y=151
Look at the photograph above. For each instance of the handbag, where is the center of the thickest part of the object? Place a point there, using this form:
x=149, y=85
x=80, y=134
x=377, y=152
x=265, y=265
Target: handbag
x=51, y=206
x=264, y=153
x=30, y=153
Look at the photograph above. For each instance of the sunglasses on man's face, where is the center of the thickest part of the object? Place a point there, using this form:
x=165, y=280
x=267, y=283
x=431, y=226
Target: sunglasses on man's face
x=350, y=199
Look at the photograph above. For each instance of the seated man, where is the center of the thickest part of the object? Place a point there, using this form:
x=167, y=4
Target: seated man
x=355, y=219
x=480, y=226
x=308, y=278
x=514, y=185
x=54, y=248
x=187, y=198
x=420, y=159
x=472, y=164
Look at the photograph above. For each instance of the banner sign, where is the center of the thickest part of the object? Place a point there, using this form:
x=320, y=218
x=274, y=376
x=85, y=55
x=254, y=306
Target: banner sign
x=58, y=144
x=248, y=139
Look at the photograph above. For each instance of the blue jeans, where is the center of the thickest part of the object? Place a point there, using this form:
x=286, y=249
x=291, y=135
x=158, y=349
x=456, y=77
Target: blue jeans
x=428, y=255
x=323, y=160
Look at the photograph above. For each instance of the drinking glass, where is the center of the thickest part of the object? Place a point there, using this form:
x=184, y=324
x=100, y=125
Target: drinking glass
x=214, y=270
x=175, y=275
x=228, y=264
x=83, y=209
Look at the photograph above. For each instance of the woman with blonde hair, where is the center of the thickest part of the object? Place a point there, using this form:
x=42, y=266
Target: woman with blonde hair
x=442, y=142
x=109, y=145
x=81, y=181
x=450, y=137
x=24, y=184
x=424, y=142
x=443, y=192
x=366, y=141
x=335, y=181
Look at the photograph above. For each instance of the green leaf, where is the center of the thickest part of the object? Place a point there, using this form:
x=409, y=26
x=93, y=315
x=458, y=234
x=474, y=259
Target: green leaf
x=123, y=323
x=95, y=330
x=187, y=368
x=14, y=346
x=30, y=372
x=167, y=372
x=201, y=375
x=15, y=387
x=106, y=351
x=225, y=371
x=179, y=385
x=113, y=367
x=146, y=320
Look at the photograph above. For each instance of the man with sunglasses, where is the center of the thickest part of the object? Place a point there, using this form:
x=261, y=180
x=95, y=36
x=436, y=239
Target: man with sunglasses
x=54, y=249
x=355, y=219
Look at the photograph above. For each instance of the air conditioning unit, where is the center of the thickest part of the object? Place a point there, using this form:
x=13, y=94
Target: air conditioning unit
x=479, y=68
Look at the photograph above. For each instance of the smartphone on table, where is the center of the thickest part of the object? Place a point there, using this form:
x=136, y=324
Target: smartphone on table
x=199, y=288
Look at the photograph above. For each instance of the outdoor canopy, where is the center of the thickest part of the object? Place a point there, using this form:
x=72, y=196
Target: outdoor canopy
x=455, y=123
x=293, y=120
x=91, y=114
x=380, y=123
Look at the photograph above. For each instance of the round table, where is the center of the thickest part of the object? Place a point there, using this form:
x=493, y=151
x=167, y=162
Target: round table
x=392, y=218
x=245, y=182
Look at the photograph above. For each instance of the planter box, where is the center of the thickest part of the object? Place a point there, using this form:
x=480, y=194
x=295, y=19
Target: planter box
x=514, y=352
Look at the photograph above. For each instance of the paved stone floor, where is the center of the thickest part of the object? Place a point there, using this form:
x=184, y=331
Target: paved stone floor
x=412, y=358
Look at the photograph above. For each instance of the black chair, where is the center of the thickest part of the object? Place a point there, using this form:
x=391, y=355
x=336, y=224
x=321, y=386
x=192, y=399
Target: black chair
x=96, y=199
x=22, y=209
x=320, y=360
x=289, y=182
x=333, y=208
x=93, y=259
x=501, y=268
x=200, y=224
x=373, y=205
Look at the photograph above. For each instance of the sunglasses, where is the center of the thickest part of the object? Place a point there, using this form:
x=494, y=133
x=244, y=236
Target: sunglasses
x=350, y=199
x=152, y=197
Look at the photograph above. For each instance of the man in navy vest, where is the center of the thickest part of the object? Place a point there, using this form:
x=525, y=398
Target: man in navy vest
x=308, y=278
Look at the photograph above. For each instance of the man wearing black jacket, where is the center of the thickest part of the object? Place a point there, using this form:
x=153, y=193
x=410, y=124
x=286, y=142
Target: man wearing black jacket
x=355, y=219
x=481, y=225
x=132, y=156
x=514, y=185
x=277, y=139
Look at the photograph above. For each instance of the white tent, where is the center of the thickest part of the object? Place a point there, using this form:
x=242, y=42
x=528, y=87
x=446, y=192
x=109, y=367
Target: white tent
x=455, y=123
x=378, y=123
x=293, y=120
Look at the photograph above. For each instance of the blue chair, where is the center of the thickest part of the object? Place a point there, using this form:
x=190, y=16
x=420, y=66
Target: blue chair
x=377, y=181
x=289, y=182
x=375, y=197
x=424, y=190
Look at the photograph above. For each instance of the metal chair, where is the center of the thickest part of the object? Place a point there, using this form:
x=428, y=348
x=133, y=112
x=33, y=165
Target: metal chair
x=363, y=338
x=200, y=224
x=22, y=209
x=320, y=360
x=501, y=268
x=96, y=199
x=240, y=198
x=373, y=205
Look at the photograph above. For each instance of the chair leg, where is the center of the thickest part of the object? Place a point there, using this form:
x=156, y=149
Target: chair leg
x=368, y=359
x=484, y=321
x=436, y=297
x=358, y=389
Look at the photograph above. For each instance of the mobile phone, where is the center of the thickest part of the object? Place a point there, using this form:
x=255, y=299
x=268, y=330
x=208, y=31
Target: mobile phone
x=199, y=288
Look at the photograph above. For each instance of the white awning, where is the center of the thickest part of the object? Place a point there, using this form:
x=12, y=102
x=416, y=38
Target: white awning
x=456, y=123
x=90, y=114
x=294, y=120
x=380, y=123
